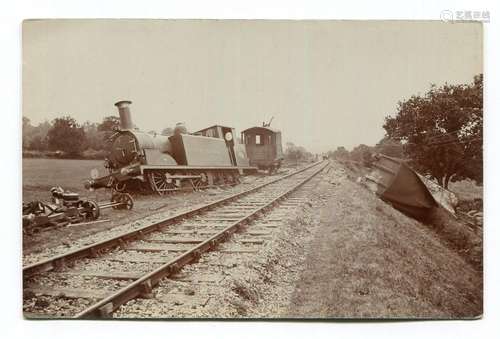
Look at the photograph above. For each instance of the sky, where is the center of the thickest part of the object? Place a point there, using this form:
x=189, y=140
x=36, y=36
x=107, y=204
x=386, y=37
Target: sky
x=326, y=83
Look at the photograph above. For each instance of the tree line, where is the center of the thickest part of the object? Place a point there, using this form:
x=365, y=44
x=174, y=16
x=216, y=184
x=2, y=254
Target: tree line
x=439, y=133
x=295, y=153
x=362, y=153
x=65, y=137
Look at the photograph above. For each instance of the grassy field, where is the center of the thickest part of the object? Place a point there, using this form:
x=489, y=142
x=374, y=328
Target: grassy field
x=39, y=175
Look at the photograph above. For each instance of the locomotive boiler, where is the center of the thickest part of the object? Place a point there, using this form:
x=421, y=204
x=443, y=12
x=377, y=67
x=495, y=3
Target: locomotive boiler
x=168, y=163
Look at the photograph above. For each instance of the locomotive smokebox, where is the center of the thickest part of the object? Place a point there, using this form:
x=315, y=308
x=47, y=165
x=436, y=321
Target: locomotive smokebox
x=125, y=117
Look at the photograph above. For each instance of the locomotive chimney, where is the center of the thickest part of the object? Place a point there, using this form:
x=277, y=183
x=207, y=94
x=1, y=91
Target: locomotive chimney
x=125, y=117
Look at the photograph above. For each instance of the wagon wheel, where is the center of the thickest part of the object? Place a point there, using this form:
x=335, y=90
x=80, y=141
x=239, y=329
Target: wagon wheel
x=161, y=183
x=91, y=210
x=35, y=230
x=126, y=201
x=120, y=186
x=200, y=183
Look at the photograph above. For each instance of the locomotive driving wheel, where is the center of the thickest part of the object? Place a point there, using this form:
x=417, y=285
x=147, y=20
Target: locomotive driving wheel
x=162, y=182
x=200, y=183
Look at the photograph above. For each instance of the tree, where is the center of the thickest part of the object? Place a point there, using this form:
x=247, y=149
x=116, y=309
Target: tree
x=340, y=153
x=108, y=127
x=167, y=131
x=296, y=153
x=94, y=139
x=66, y=135
x=362, y=154
x=38, y=143
x=35, y=137
x=109, y=124
x=390, y=147
x=27, y=128
x=442, y=131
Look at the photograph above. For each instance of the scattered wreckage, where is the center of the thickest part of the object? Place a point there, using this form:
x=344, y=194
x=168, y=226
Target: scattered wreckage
x=68, y=208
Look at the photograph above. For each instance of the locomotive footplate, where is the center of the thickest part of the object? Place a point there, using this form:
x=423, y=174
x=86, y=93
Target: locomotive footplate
x=182, y=176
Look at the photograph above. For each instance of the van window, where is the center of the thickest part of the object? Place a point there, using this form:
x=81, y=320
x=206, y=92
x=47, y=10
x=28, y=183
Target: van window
x=257, y=140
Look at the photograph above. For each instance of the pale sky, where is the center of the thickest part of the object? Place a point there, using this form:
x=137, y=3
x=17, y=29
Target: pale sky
x=327, y=83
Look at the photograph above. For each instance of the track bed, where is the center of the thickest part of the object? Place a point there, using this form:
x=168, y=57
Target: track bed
x=95, y=280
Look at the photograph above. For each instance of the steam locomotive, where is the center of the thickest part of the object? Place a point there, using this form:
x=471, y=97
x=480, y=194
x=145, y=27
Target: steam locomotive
x=167, y=163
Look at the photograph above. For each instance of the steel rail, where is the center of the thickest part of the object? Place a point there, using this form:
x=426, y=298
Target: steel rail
x=144, y=285
x=95, y=249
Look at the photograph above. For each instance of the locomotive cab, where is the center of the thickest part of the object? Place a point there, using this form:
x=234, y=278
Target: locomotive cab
x=263, y=147
x=236, y=150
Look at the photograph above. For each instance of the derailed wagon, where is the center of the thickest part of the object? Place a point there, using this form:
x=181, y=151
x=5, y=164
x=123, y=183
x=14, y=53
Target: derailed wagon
x=408, y=191
x=395, y=182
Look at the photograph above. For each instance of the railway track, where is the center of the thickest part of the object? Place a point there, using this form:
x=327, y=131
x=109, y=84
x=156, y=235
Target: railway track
x=156, y=212
x=94, y=281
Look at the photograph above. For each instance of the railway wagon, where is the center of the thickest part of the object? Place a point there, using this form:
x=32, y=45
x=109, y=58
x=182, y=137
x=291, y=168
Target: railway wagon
x=168, y=163
x=263, y=147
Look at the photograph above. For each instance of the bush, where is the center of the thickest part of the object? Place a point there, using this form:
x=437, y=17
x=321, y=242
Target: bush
x=89, y=154
x=33, y=154
x=93, y=154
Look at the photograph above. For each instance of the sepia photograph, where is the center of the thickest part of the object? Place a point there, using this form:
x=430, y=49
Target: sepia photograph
x=252, y=169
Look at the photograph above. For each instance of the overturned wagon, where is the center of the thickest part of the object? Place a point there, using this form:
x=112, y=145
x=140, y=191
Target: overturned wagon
x=167, y=163
x=395, y=182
